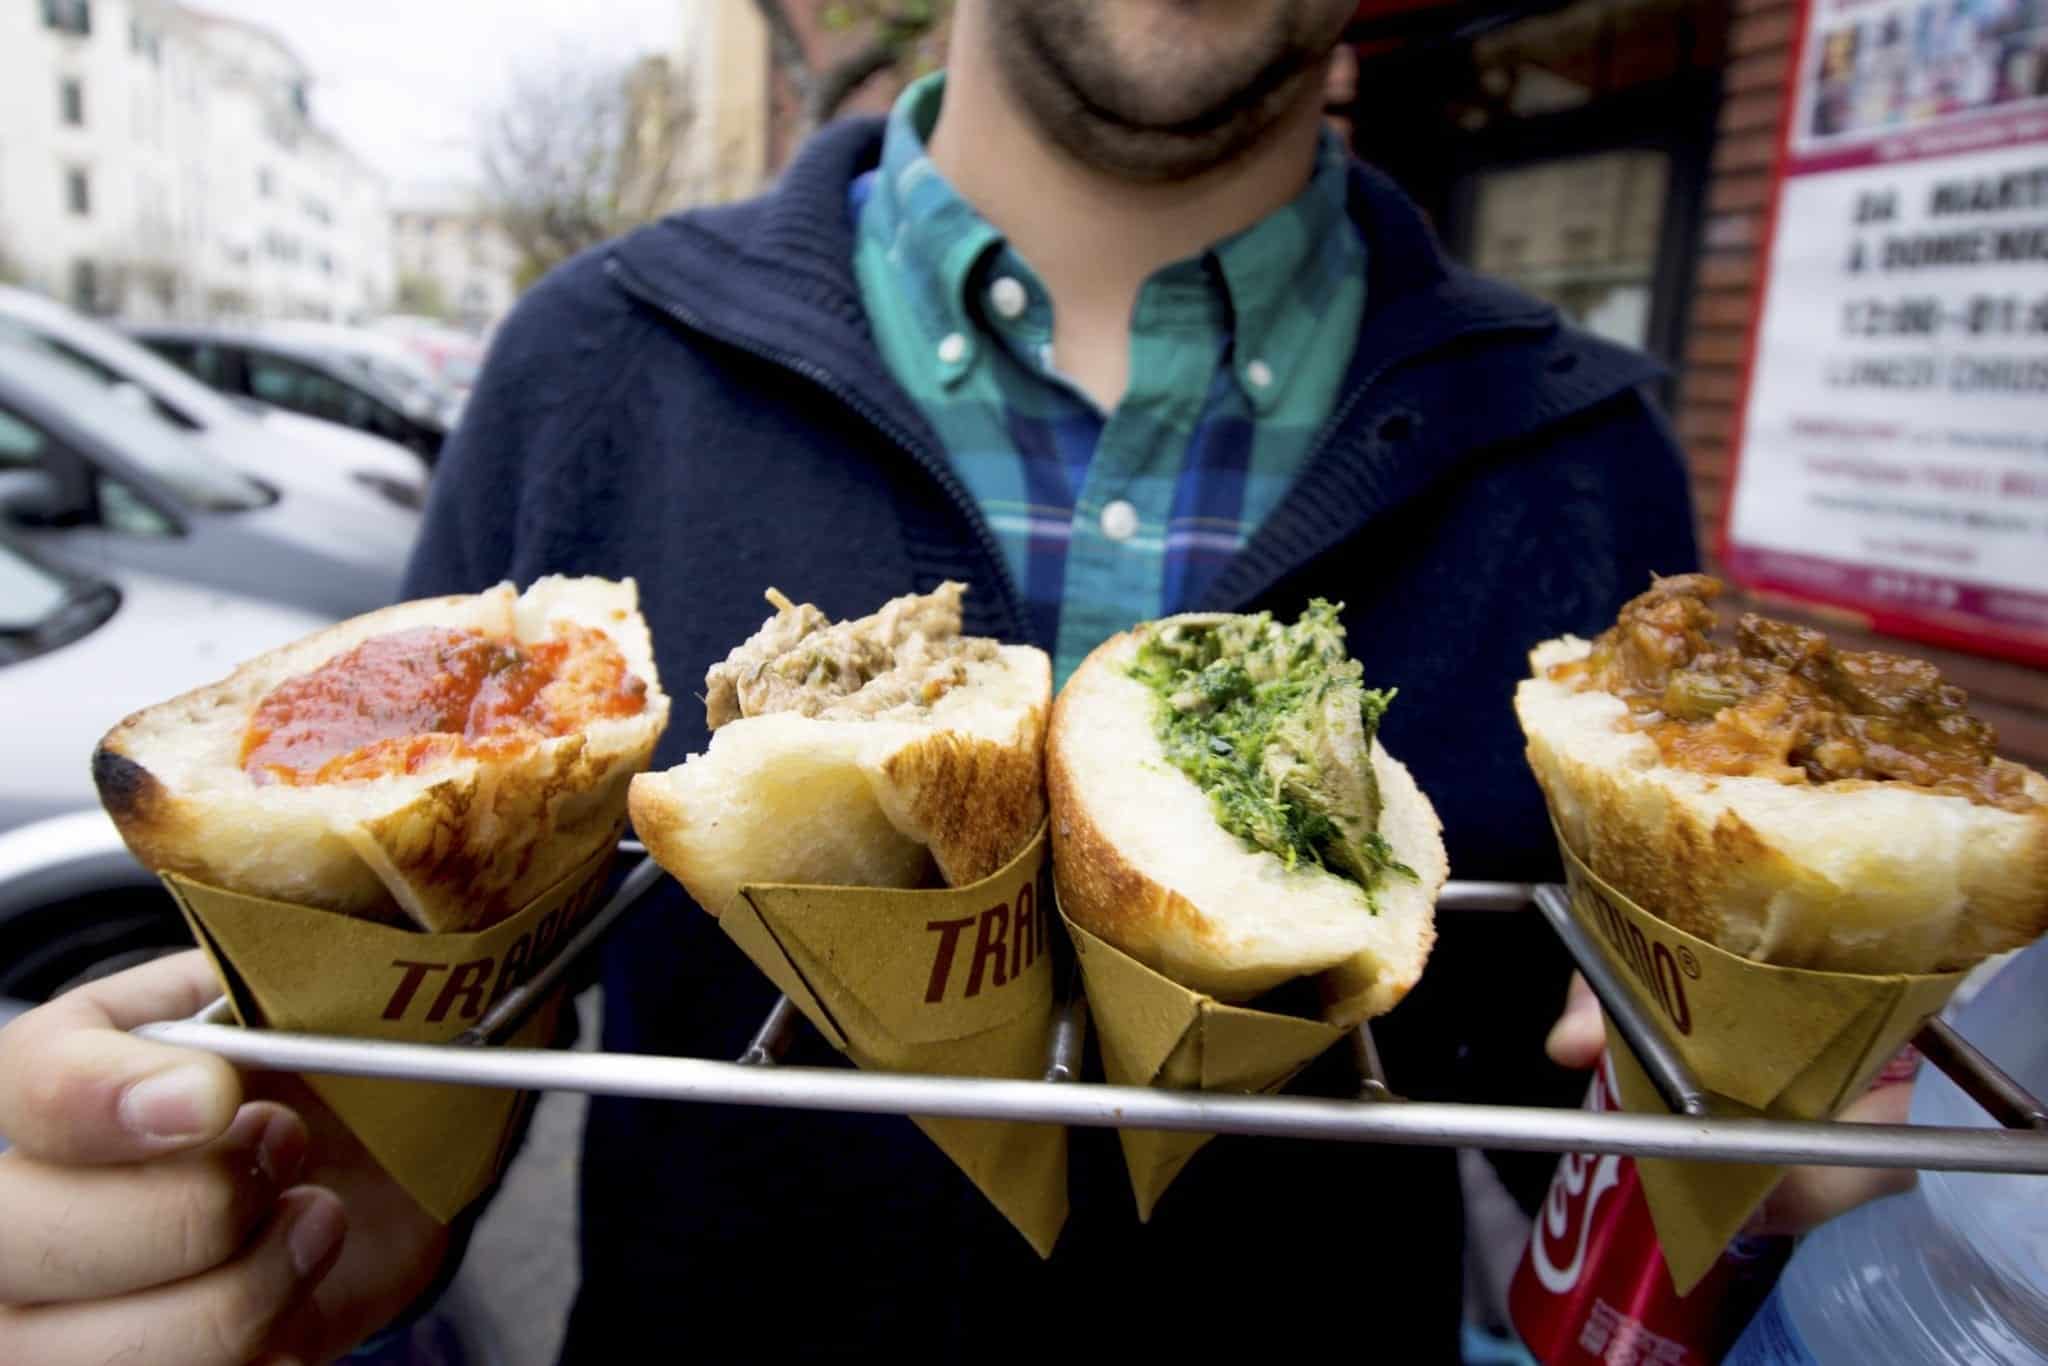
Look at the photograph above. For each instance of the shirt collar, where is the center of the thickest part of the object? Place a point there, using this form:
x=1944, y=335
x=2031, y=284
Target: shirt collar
x=1279, y=269
x=934, y=238
x=1271, y=274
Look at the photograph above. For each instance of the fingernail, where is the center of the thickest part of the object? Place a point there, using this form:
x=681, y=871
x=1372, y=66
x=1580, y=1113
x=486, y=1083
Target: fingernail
x=173, y=1104
x=314, y=1234
x=282, y=1150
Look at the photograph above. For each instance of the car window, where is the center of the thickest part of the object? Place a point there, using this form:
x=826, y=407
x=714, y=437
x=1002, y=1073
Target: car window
x=210, y=363
x=29, y=593
x=203, y=361
x=66, y=491
x=122, y=509
x=128, y=387
x=41, y=484
x=21, y=446
x=169, y=454
x=136, y=433
x=178, y=353
x=17, y=333
x=398, y=392
x=301, y=388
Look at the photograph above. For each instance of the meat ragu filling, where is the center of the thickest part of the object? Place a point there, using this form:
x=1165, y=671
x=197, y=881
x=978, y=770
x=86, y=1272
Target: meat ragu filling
x=400, y=702
x=1780, y=702
x=907, y=655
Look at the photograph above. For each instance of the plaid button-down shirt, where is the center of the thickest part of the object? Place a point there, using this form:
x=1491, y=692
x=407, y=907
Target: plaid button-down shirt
x=1236, y=359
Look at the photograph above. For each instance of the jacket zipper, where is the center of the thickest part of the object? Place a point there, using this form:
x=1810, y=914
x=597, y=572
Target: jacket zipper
x=904, y=439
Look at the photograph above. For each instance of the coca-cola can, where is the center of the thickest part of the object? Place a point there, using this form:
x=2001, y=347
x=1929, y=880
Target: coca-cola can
x=1592, y=1289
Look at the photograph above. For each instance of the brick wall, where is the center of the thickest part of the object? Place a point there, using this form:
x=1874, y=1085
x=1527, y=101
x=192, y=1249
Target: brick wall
x=1738, y=195
x=2012, y=697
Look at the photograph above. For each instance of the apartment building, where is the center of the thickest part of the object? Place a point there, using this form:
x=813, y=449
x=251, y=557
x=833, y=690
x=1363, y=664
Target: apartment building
x=156, y=160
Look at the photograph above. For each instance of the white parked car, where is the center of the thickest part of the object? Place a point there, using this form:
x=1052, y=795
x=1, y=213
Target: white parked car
x=97, y=483
x=391, y=361
x=282, y=448
x=80, y=650
x=278, y=366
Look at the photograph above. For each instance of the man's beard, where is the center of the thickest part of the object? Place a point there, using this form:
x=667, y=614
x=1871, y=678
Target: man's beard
x=1163, y=115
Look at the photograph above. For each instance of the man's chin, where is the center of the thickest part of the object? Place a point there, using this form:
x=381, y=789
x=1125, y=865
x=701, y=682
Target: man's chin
x=1154, y=89
x=1155, y=154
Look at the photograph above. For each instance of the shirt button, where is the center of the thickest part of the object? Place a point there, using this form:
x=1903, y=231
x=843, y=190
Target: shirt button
x=1119, y=521
x=1258, y=374
x=1008, y=298
x=952, y=349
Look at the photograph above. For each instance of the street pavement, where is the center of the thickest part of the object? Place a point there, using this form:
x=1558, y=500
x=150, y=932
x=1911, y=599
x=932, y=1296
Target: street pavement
x=515, y=1288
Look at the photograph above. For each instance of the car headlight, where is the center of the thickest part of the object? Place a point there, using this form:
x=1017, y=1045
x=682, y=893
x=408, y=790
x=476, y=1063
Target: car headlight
x=402, y=492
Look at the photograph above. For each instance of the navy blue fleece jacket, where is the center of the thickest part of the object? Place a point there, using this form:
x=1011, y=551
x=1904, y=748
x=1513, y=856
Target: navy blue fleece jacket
x=700, y=405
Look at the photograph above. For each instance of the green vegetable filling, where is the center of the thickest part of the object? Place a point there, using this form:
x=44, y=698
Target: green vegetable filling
x=1276, y=724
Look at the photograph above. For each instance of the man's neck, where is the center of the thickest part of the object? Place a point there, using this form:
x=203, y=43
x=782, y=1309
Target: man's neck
x=1094, y=238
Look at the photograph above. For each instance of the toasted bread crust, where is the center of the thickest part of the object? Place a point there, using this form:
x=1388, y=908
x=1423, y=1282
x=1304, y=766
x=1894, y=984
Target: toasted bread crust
x=1125, y=900
x=454, y=849
x=976, y=801
x=1850, y=876
x=859, y=802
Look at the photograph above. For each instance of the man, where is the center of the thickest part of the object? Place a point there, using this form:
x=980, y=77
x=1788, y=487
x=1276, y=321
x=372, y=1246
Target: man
x=1102, y=327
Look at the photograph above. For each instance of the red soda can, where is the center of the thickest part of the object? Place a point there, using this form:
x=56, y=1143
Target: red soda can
x=1592, y=1289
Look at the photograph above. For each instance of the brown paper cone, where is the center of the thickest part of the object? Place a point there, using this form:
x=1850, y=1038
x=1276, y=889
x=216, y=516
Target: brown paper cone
x=1787, y=1043
x=311, y=971
x=953, y=982
x=1156, y=1032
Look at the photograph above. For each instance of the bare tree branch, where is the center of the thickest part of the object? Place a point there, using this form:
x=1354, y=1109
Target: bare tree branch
x=579, y=154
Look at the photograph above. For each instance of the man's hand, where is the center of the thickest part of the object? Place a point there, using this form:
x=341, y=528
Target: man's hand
x=163, y=1208
x=1808, y=1196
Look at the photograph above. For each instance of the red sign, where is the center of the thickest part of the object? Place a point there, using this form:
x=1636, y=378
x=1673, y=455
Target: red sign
x=1892, y=452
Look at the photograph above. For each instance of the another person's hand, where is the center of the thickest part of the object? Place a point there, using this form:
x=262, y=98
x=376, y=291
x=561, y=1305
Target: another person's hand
x=1808, y=1196
x=161, y=1207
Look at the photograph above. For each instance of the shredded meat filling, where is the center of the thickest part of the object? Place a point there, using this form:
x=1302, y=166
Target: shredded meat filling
x=908, y=654
x=1780, y=702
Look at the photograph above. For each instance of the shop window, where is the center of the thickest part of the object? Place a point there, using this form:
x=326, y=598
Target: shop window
x=1576, y=54
x=1582, y=232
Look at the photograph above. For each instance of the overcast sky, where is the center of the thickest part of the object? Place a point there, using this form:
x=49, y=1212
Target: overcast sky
x=406, y=82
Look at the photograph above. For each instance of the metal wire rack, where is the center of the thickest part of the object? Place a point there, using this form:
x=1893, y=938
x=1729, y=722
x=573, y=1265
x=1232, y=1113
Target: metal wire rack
x=1692, y=1130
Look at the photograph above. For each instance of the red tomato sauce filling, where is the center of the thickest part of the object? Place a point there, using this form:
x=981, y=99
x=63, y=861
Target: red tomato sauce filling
x=400, y=702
